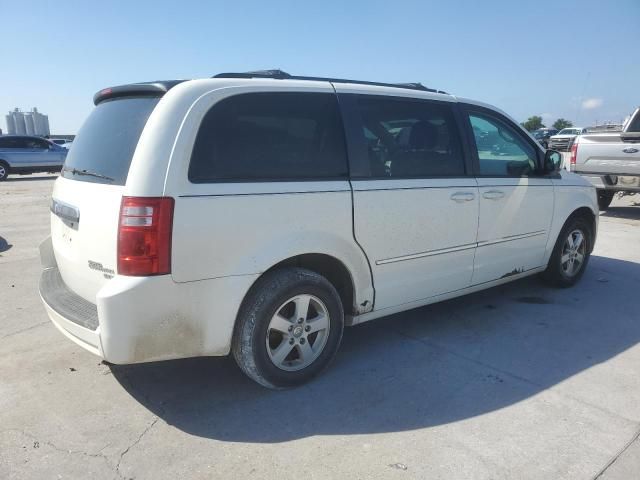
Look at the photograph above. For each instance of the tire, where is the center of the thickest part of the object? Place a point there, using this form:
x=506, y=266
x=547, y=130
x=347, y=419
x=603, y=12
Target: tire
x=566, y=274
x=4, y=170
x=605, y=197
x=268, y=326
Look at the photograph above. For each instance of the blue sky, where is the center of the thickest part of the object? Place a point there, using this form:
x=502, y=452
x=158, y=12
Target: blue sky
x=572, y=59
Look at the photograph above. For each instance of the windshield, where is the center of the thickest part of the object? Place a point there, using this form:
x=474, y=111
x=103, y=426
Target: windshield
x=634, y=123
x=569, y=131
x=104, y=146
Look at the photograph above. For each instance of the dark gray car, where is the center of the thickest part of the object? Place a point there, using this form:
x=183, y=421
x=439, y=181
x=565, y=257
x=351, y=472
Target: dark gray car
x=22, y=154
x=542, y=135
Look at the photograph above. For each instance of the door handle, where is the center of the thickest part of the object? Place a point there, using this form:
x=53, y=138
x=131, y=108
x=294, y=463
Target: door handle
x=460, y=197
x=493, y=195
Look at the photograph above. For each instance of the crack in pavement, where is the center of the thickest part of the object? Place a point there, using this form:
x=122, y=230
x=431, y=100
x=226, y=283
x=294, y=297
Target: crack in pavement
x=510, y=374
x=26, y=329
x=126, y=380
x=99, y=454
x=617, y=455
x=133, y=444
x=60, y=449
x=613, y=460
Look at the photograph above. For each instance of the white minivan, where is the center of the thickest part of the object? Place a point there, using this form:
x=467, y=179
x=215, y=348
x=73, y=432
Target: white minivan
x=260, y=213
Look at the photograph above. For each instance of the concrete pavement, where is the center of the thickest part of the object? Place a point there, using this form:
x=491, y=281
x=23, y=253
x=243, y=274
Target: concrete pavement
x=520, y=381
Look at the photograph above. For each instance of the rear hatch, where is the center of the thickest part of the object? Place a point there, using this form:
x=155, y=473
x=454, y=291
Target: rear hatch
x=606, y=153
x=86, y=199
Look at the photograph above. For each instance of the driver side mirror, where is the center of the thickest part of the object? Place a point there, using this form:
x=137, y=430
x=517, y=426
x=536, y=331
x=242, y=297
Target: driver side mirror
x=552, y=161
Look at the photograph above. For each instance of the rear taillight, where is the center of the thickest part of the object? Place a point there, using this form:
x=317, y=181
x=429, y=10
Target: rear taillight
x=144, y=236
x=574, y=154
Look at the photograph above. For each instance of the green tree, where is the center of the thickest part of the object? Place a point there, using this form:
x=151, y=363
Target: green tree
x=533, y=123
x=562, y=123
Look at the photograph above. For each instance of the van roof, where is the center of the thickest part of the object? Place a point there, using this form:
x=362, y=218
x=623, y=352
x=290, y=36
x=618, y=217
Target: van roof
x=159, y=87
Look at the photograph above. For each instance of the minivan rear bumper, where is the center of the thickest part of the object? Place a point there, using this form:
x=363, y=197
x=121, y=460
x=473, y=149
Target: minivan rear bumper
x=143, y=319
x=86, y=338
x=70, y=313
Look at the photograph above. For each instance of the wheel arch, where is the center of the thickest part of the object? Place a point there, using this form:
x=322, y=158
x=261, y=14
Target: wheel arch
x=572, y=196
x=590, y=216
x=330, y=267
x=583, y=211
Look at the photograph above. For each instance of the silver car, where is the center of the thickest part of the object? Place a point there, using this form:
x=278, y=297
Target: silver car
x=22, y=154
x=563, y=140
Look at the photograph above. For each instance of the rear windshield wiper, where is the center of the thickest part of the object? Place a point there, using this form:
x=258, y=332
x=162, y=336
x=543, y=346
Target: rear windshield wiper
x=75, y=171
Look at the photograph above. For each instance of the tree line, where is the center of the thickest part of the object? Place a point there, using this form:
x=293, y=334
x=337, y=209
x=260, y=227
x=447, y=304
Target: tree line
x=535, y=122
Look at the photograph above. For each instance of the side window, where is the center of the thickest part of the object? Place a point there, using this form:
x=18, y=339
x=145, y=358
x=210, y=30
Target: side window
x=4, y=143
x=20, y=142
x=502, y=151
x=42, y=144
x=270, y=136
x=410, y=138
x=33, y=143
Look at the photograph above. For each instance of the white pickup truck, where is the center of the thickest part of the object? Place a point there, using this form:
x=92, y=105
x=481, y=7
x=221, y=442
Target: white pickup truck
x=610, y=160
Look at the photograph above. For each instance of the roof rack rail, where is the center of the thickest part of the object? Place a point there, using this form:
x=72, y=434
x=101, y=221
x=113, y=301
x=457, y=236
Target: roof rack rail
x=281, y=75
x=275, y=73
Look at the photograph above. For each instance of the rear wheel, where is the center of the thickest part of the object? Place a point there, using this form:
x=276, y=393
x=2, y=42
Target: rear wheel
x=605, y=197
x=4, y=170
x=289, y=328
x=570, y=254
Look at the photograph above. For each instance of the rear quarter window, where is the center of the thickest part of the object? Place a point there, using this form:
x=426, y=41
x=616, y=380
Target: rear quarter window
x=106, y=142
x=269, y=137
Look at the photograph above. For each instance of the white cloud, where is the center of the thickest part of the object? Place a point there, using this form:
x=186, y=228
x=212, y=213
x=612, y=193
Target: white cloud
x=591, y=103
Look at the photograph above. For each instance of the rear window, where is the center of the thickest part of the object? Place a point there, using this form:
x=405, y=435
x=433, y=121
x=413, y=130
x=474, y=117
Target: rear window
x=270, y=136
x=104, y=146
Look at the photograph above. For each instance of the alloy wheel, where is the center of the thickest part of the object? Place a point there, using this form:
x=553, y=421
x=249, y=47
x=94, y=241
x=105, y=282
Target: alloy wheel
x=298, y=332
x=573, y=253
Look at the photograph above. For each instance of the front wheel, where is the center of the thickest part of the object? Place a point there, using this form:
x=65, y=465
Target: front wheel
x=570, y=254
x=605, y=197
x=4, y=171
x=289, y=328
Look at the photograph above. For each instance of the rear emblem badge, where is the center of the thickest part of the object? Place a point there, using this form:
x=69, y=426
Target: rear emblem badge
x=97, y=266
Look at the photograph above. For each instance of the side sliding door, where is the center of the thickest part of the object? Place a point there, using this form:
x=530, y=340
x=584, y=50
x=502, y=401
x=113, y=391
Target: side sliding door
x=415, y=202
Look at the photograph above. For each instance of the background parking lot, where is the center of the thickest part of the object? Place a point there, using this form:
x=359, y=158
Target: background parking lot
x=520, y=381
